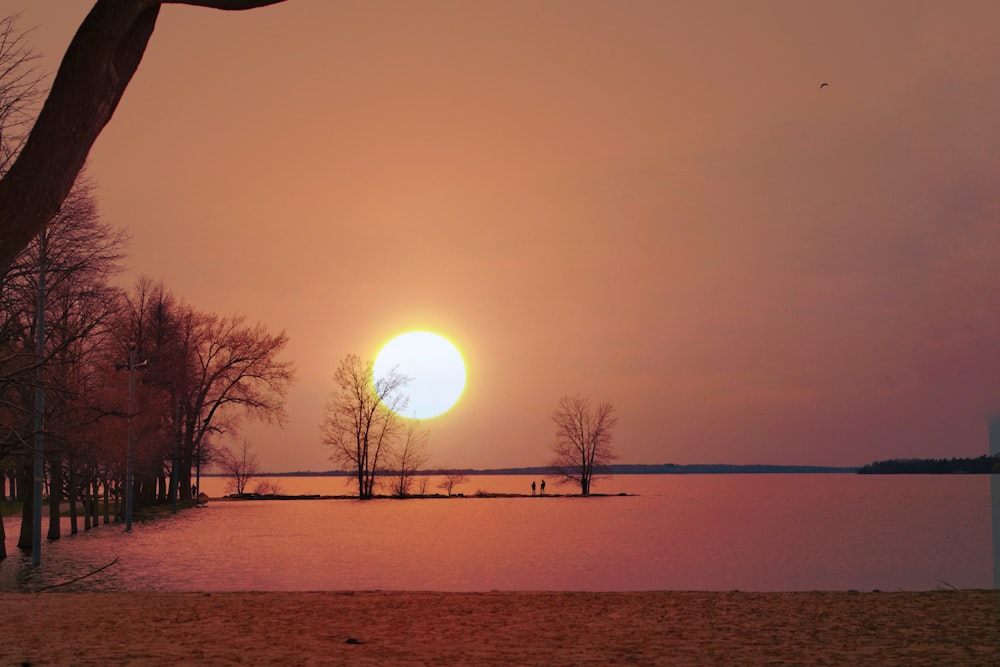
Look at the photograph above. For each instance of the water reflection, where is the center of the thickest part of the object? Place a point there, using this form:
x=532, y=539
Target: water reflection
x=704, y=532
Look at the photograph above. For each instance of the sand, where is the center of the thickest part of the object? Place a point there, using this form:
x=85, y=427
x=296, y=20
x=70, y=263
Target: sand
x=378, y=628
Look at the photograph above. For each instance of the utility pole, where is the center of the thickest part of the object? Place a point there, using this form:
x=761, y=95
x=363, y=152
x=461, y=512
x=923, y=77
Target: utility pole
x=994, y=433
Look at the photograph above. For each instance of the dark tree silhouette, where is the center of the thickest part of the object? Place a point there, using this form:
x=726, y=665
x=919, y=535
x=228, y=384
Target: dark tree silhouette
x=239, y=465
x=96, y=69
x=80, y=253
x=407, y=457
x=362, y=419
x=583, y=440
x=209, y=372
x=452, y=478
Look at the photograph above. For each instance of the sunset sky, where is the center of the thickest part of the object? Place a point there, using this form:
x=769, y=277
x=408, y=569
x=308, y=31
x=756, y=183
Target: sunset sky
x=653, y=203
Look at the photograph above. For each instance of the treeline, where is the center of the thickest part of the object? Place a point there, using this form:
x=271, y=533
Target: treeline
x=66, y=330
x=982, y=465
x=82, y=361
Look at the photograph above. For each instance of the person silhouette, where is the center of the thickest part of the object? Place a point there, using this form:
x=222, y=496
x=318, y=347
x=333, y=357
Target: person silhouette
x=543, y=487
x=532, y=487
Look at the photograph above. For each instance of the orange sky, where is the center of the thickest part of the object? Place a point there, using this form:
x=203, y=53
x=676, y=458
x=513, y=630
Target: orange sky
x=650, y=202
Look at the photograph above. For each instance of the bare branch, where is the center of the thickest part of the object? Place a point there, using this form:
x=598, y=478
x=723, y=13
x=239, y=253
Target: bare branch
x=97, y=67
x=362, y=419
x=224, y=4
x=582, y=445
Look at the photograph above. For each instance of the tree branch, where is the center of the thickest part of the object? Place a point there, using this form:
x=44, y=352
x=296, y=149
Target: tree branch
x=224, y=4
x=96, y=69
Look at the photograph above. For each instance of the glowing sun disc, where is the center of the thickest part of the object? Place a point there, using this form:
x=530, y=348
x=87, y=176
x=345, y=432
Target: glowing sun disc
x=434, y=366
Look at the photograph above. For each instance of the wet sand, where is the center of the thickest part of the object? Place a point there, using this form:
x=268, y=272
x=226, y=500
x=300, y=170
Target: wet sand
x=378, y=628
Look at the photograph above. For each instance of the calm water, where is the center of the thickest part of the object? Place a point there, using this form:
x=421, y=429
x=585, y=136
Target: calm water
x=683, y=532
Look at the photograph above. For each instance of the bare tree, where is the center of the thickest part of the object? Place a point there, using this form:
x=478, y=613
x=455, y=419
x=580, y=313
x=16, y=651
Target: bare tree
x=153, y=320
x=268, y=487
x=206, y=374
x=407, y=457
x=452, y=478
x=582, y=444
x=362, y=419
x=239, y=465
x=80, y=253
x=234, y=374
x=20, y=89
x=96, y=69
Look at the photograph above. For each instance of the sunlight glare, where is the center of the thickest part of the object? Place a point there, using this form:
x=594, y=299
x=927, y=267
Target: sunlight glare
x=436, y=369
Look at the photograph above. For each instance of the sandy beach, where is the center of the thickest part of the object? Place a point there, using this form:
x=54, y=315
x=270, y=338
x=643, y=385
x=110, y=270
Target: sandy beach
x=576, y=628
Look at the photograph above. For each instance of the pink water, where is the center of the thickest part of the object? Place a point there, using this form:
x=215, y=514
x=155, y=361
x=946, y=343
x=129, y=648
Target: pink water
x=684, y=532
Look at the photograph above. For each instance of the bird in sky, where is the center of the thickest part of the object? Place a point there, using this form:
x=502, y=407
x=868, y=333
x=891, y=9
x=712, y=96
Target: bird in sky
x=824, y=84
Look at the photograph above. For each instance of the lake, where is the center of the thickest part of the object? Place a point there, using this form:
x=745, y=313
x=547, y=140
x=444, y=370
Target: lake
x=680, y=532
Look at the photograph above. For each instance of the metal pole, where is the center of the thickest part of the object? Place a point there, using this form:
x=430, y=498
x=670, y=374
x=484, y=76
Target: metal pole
x=994, y=432
x=39, y=470
x=129, y=481
x=197, y=473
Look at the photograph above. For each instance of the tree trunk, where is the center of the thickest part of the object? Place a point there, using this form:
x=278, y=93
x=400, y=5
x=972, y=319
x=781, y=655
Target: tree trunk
x=55, y=498
x=24, y=538
x=139, y=486
x=173, y=481
x=185, y=481
x=107, y=503
x=3, y=536
x=74, y=524
x=185, y=462
x=95, y=499
x=145, y=495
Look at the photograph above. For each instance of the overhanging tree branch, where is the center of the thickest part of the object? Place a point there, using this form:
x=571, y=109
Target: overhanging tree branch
x=96, y=69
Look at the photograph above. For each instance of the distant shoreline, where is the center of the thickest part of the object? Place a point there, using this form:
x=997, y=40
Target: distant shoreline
x=621, y=469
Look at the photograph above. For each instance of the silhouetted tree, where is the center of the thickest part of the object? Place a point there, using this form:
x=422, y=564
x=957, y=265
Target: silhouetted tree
x=20, y=89
x=80, y=254
x=96, y=69
x=235, y=374
x=153, y=320
x=407, y=457
x=362, y=419
x=582, y=444
x=452, y=478
x=239, y=465
x=205, y=375
x=19, y=92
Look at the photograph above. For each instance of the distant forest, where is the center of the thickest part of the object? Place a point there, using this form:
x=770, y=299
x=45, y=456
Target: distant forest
x=982, y=465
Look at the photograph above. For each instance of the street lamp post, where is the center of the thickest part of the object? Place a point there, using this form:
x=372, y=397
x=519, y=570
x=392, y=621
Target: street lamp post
x=39, y=464
x=131, y=366
x=129, y=482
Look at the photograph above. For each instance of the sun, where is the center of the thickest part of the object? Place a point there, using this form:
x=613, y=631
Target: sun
x=435, y=368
